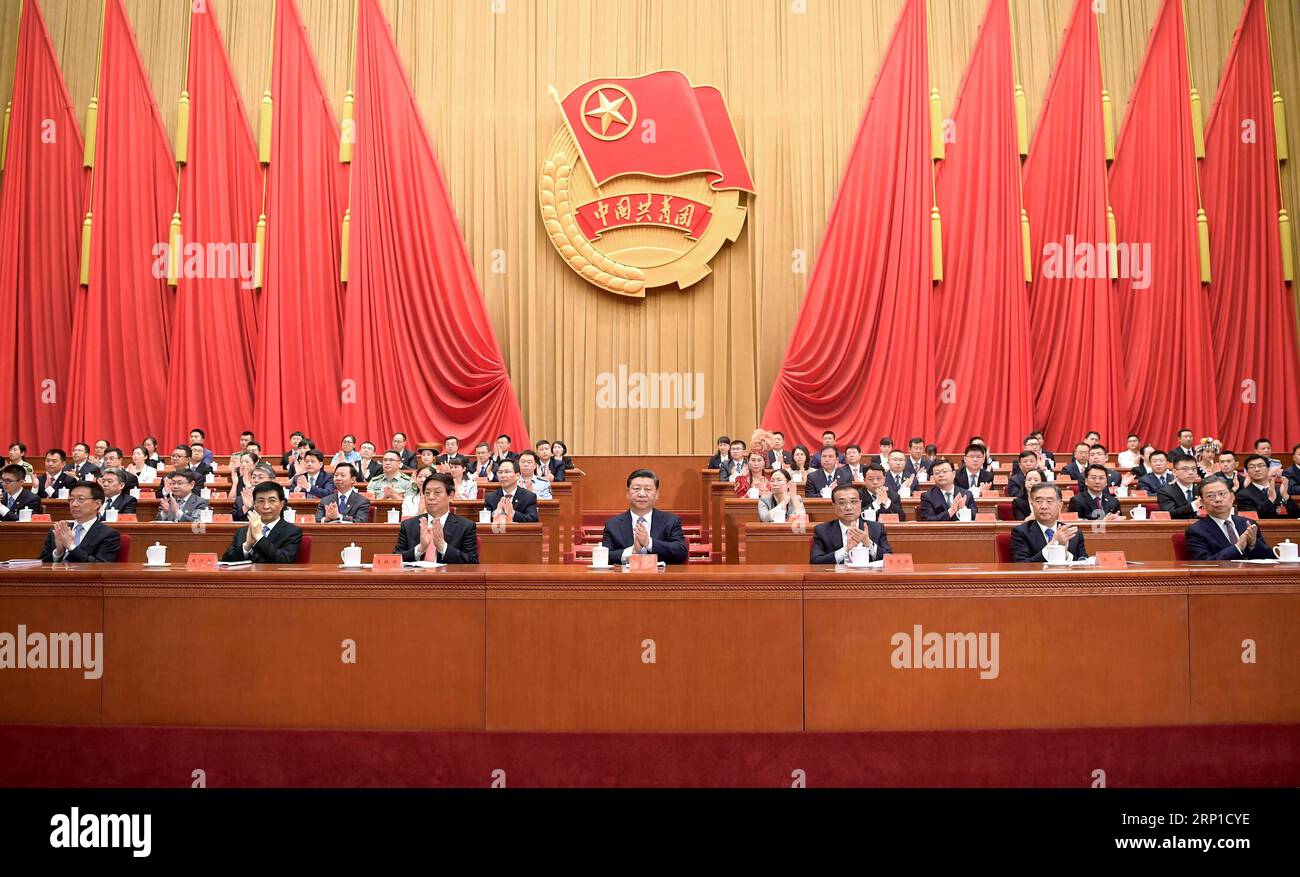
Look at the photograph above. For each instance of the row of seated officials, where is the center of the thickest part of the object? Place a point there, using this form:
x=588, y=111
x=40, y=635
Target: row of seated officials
x=438, y=535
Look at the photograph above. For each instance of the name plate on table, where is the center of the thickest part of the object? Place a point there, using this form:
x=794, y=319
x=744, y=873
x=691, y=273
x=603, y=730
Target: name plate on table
x=1161, y=516
x=45, y=518
x=1111, y=560
x=643, y=563
x=1253, y=515
x=198, y=561
x=986, y=516
x=1138, y=493
x=386, y=563
x=223, y=519
x=887, y=519
x=898, y=563
x=147, y=494
x=1069, y=516
x=127, y=519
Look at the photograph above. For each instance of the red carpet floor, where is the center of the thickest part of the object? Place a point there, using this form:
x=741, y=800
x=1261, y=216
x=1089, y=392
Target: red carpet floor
x=1191, y=756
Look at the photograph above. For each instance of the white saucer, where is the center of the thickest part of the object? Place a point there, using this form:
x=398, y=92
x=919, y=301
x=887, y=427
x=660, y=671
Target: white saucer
x=1058, y=565
x=156, y=565
x=1280, y=560
x=352, y=566
x=599, y=566
x=866, y=565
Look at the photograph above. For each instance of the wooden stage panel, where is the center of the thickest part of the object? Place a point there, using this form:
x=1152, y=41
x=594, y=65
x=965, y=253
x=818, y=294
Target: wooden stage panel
x=1226, y=689
x=270, y=655
x=52, y=602
x=565, y=652
x=1062, y=661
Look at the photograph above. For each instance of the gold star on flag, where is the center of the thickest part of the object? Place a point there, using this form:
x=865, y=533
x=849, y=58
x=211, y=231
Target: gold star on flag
x=607, y=111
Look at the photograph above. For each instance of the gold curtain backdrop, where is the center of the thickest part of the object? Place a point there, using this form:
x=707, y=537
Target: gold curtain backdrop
x=796, y=75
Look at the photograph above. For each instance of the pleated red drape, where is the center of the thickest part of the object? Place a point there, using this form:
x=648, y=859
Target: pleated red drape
x=1256, y=368
x=420, y=345
x=1076, y=367
x=117, y=372
x=860, y=360
x=1164, y=311
x=210, y=383
x=42, y=199
x=981, y=304
x=300, y=311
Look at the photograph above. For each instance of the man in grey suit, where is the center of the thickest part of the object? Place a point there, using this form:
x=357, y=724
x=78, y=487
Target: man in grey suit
x=184, y=503
x=346, y=505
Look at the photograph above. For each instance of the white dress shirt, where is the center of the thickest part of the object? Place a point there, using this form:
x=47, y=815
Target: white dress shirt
x=842, y=552
x=442, y=520
x=633, y=548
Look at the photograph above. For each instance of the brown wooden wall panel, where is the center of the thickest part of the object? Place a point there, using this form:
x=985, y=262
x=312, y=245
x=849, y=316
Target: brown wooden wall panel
x=263, y=656
x=72, y=605
x=569, y=656
x=1224, y=688
x=1063, y=661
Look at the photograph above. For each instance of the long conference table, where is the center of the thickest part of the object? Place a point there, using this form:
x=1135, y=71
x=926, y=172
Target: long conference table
x=690, y=648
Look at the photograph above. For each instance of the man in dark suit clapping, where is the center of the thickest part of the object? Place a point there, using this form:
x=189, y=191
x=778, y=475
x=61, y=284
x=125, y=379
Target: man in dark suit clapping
x=438, y=535
x=1221, y=535
x=834, y=541
x=267, y=538
x=643, y=529
x=1030, y=538
x=510, y=500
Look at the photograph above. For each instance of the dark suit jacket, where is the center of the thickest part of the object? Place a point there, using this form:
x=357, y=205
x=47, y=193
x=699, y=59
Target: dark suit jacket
x=933, y=508
x=1020, y=507
x=321, y=486
x=1028, y=542
x=827, y=541
x=279, y=546
x=1292, y=479
x=559, y=467
x=729, y=467
x=1207, y=541
x=963, y=481
x=124, y=503
x=817, y=480
x=1174, y=501
x=895, y=503
x=358, y=510
x=410, y=459
x=911, y=468
x=1086, y=507
x=715, y=462
x=1153, y=485
x=907, y=479
x=1251, y=499
x=786, y=460
x=99, y=544
x=1015, y=484
x=368, y=471
x=87, y=468
x=26, y=500
x=525, y=504
x=1073, y=470
x=488, y=471
x=63, y=480
x=666, y=537
x=460, y=533
x=201, y=471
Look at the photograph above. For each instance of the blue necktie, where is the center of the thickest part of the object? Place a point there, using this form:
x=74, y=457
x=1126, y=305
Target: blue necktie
x=77, y=532
x=1050, y=534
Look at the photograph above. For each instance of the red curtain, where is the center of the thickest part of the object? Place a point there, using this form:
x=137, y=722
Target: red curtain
x=1254, y=340
x=981, y=302
x=210, y=384
x=120, y=331
x=42, y=199
x=1162, y=308
x=420, y=345
x=1076, y=368
x=860, y=361
x=300, y=311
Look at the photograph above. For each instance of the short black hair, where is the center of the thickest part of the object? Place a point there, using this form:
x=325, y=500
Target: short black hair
x=514, y=467
x=458, y=460
x=1183, y=430
x=348, y=466
x=1158, y=453
x=876, y=467
x=724, y=439
x=504, y=436
x=916, y=441
x=183, y=450
x=96, y=492
x=642, y=473
x=442, y=478
x=1033, y=455
x=1216, y=479
x=1098, y=467
x=831, y=448
x=1045, y=485
x=484, y=445
x=201, y=433
x=452, y=438
x=1096, y=446
x=182, y=473
x=857, y=448
x=941, y=461
x=269, y=486
x=296, y=433
x=1246, y=464
x=975, y=447
x=1262, y=441
x=247, y=432
x=528, y=453
x=315, y=453
x=15, y=470
x=111, y=449
x=887, y=441
x=22, y=448
x=81, y=445
x=840, y=488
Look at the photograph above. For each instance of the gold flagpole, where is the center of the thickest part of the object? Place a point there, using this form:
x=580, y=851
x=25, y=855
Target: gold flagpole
x=937, y=153
x=1285, y=241
x=88, y=159
x=4, y=130
x=347, y=137
x=1108, y=130
x=175, y=238
x=1022, y=146
x=264, y=154
x=1198, y=144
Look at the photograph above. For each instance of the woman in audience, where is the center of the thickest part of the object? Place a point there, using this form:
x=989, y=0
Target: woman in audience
x=559, y=459
x=1207, y=456
x=1143, y=467
x=413, y=503
x=140, y=468
x=151, y=458
x=751, y=482
x=347, y=452
x=241, y=471
x=466, y=485
x=18, y=457
x=799, y=464
x=780, y=502
x=1020, y=509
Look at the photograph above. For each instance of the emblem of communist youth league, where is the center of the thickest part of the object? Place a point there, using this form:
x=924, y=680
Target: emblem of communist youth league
x=644, y=182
